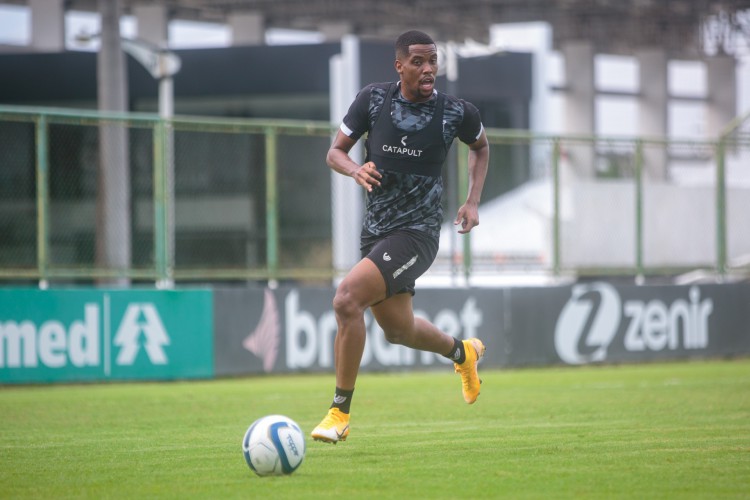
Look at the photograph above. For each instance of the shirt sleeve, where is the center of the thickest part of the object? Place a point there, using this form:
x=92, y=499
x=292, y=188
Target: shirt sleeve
x=471, y=126
x=356, y=122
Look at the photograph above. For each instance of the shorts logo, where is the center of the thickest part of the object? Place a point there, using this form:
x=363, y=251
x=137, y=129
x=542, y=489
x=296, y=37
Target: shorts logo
x=386, y=257
x=403, y=268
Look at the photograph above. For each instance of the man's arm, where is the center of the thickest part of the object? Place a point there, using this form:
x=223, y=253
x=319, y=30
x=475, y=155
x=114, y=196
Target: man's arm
x=479, y=157
x=339, y=160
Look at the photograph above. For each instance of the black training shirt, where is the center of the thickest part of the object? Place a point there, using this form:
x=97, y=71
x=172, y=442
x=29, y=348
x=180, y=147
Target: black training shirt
x=405, y=199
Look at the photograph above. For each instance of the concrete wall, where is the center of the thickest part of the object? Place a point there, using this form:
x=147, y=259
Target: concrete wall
x=679, y=224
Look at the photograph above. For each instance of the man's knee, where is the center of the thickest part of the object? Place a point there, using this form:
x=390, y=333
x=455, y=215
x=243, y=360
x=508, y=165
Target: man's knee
x=345, y=304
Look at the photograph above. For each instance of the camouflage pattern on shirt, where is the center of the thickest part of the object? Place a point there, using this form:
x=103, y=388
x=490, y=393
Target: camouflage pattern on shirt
x=409, y=201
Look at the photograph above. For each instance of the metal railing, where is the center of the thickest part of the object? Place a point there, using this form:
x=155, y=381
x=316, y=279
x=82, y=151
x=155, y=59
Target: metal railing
x=243, y=200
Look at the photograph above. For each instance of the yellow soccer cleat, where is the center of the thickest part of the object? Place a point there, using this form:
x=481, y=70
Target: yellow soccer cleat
x=333, y=428
x=470, y=381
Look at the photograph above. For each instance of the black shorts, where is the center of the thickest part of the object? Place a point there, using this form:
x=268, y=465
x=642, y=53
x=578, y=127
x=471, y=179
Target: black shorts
x=402, y=256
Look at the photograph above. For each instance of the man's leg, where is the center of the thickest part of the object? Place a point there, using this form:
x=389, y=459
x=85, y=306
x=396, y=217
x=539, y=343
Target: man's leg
x=396, y=317
x=362, y=287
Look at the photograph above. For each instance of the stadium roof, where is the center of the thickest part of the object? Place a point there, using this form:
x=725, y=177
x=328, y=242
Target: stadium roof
x=615, y=26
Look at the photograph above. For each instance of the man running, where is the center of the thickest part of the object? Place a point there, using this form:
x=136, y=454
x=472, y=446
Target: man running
x=410, y=127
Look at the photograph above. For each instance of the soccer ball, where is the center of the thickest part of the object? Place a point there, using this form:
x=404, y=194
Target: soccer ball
x=274, y=445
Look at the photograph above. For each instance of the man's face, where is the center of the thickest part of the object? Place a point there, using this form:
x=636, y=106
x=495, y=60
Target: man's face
x=418, y=71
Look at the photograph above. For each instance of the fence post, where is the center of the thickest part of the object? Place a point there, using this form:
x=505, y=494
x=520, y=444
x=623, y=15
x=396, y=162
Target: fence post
x=42, y=199
x=272, y=212
x=556, y=206
x=721, y=207
x=639, y=277
x=160, y=205
x=463, y=188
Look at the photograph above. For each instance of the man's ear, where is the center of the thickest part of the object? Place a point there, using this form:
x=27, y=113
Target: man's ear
x=397, y=64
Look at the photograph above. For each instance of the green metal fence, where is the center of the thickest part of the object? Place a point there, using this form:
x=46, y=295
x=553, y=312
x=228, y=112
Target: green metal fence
x=192, y=199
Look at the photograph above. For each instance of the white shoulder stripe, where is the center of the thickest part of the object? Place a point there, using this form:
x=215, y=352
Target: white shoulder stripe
x=481, y=129
x=346, y=130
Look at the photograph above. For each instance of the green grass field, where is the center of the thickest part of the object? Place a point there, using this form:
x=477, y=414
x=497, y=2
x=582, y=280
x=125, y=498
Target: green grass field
x=678, y=430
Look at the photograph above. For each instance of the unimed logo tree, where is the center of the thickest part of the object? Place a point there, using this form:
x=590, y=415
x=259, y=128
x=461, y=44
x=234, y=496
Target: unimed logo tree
x=141, y=320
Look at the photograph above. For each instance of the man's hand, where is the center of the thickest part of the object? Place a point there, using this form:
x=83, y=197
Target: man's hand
x=468, y=217
x=367, y=176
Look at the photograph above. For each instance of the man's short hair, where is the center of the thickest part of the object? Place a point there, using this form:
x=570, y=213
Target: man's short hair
x=412, y=37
